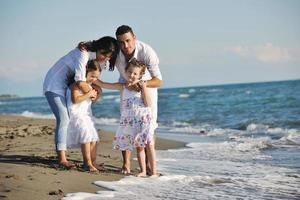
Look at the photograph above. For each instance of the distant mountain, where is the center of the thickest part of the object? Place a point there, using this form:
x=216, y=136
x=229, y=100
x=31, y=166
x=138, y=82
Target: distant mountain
x=8, y=96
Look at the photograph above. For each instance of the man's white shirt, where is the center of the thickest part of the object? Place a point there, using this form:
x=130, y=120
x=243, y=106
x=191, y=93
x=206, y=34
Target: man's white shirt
x=144, y=53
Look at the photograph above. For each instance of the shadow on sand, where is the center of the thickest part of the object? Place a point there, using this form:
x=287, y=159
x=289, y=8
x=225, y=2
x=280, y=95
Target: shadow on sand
x=49, y=162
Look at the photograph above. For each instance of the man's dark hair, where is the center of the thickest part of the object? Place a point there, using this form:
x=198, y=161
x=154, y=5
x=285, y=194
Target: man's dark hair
x=123, y=29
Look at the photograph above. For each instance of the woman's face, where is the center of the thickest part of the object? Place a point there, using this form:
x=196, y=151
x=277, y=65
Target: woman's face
x=101, y=57
x=133, y=74
x=92, y=76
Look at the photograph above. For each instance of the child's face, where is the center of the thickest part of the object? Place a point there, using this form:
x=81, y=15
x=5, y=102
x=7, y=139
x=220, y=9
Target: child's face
x=133, y=74
x=92, y=76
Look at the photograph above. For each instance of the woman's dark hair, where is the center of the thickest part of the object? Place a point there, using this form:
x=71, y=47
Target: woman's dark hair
x=123, y=29
x=106, y=45
x=135, y=63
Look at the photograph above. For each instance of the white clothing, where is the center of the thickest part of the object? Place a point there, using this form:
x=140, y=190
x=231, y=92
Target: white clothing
x=71, y=65
x=81, y=127
x=143, y=52
x=136, y=126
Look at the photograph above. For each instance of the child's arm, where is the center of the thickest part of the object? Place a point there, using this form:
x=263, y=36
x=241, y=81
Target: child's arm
x=145, y=93
x=77, y=97
x=111, y=86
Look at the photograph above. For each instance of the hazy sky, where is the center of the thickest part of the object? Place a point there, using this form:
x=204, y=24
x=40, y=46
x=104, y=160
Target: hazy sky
x=198, y=42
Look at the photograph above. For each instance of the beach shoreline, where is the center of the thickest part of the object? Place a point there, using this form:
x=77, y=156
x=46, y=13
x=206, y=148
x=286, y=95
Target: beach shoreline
x=28, y=162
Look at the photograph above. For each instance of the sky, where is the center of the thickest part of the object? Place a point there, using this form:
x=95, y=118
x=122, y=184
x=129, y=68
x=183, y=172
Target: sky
x=198, y=42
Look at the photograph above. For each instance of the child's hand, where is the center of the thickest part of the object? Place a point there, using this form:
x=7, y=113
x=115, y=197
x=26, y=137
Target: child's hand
x=142, y=84
x=92, y=93
x=99, y=94
x=134, y=87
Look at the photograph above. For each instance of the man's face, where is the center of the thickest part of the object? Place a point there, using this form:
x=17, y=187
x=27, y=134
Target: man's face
x=127, y=43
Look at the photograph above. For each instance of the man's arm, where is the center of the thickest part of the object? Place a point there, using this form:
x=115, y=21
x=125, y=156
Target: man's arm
x=154, y=83
x=145, y=93
x=110, y=86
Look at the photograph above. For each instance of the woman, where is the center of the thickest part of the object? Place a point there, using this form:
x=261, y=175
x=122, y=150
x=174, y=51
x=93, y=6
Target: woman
x=73, y=66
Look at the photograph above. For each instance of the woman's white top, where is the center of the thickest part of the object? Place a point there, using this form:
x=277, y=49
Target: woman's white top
x=71, y=65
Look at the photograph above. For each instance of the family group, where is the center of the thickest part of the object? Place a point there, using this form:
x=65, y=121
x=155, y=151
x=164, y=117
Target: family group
x=72, y=84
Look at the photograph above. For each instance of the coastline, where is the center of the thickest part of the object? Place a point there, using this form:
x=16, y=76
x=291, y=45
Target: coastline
x=28, y=161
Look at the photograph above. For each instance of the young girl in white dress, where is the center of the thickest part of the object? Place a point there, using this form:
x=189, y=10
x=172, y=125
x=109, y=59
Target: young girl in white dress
x=81, y=129
x=137, y=126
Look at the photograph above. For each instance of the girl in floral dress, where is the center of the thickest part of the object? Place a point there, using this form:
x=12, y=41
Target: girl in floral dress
x=136, y=126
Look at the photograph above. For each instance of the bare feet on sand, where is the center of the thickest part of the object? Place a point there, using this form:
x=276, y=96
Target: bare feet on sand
x=142, y=174
x=67, y=165
x=100, y=167
x=125, y=171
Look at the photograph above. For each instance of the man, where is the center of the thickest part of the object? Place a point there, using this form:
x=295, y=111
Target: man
x=133, y=48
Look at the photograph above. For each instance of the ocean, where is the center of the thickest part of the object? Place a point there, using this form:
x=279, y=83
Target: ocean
x=243, y=142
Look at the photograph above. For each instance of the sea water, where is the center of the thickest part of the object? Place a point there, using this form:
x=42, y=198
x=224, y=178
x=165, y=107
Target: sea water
x=243, y=142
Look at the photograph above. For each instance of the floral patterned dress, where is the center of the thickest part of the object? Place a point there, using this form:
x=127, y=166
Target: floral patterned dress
x=136, y=126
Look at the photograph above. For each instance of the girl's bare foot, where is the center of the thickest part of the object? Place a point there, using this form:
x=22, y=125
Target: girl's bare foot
x=93, y=169
x=142, y=174
x=100, y=167
x=90, y=168
x=67, y=165
x=125, y=171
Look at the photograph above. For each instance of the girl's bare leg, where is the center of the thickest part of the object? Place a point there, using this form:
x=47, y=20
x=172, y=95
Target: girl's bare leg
x=148, y=165
x=150, y=151
x=94, y=156
x=126, y=162
x=93, y=152
x=142, y=162
x=86, y=154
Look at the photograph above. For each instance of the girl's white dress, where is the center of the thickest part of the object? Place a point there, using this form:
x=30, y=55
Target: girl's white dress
x=136, y=126
x=81, y=127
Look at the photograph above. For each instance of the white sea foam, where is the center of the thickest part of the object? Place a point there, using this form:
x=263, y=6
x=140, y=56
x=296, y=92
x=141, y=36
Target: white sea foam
x=205, y=171
x=108, y=97
x=184, y=95
x=187, y=129
x=248, y=92
x=192, y=90
x=292, y=137
x=37, y=115
x=107, y=121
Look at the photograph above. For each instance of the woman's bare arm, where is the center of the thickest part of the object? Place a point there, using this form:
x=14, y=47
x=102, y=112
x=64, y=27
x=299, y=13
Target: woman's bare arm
x=78, y=97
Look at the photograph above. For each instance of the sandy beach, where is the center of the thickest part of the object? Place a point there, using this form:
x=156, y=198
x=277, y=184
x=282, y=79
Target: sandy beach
x=28, y=164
